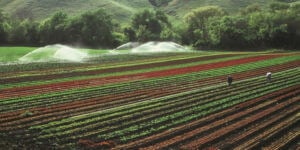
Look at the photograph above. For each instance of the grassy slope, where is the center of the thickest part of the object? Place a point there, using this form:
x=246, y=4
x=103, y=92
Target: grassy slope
x=180, y=8
x=120, y=9
x=10, y=54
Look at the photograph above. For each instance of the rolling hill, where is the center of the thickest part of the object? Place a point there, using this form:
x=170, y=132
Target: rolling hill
x=40, y=9
x=121, y=10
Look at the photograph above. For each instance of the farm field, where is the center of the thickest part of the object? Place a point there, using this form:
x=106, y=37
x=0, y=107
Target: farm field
x=153, y=101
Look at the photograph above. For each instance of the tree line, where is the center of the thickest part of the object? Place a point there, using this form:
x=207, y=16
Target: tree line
x=277, y=26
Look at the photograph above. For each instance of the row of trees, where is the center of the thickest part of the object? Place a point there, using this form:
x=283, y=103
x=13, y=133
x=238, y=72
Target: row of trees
x=205, y=27
x=92, y=29
x=253, y=27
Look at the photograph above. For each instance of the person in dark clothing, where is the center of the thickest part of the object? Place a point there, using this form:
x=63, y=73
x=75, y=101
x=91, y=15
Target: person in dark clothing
x=269, y=76
x=229, y=80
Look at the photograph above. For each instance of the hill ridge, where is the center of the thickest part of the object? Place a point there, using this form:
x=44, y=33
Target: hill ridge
x=121, y=10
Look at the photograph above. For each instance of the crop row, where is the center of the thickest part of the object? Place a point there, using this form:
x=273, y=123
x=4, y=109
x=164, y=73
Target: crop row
x=152, y=105
x=106, y=98
x=223, y=103
x=99, y=103
x=63, y=111
x=288, y=138
x=102, y=103
x=257, y=128
x=217, y=130
x=13, y=91
x=140, y=130
x=101, y=71
x=105, y=71
x=71, y=109
x=186, y=131
x=139, y=135
x=75, y=94
x=109, y=80
x=257, y=117
x=112, y=60
x=116, y=71
x=57, y=114
x=144, y=106
x=273, y=129
x=270, y=134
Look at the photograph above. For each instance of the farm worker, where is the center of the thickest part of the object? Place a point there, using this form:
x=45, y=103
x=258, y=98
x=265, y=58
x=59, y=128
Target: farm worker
x=269, y=75
x=229, y=80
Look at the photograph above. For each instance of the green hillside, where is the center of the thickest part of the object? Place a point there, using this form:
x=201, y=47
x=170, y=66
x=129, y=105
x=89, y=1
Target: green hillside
x=40, y=9
x=121, y=10
x=181, y=7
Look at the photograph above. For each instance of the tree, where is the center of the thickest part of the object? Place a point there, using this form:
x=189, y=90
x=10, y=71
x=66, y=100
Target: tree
x=97, y=29
x=233, y=32
x=73, y=30
x=144, y=35
x=17, y=33
x=32, y=33
x=53, y=30
x=277, y=6
x=198, y=24
x=149, y=25
x=168, y=34
x=3, y=28
x=251, y=9
x=295, y=8
x=130, y=34
x=159, y=3
x=91, y=29
x=285, y=33
x=286, y=1
x=23, y=33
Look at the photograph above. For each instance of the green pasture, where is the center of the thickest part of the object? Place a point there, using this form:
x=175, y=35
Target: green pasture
x=120, y=10
x=11, y=54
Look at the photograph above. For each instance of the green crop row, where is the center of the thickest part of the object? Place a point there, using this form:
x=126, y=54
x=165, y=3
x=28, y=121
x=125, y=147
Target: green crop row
x=171, y=105
x=75, y=119
x=157, y=121
x=256, y=65
x=158, y=124
x=106, y=62
x=41, y=82
x=134, y=108
x=165, y=80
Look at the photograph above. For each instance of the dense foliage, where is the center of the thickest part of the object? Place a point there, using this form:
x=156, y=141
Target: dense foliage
x=158, y=3
x=278, y=26
x=152, y=26
x=252, y=28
